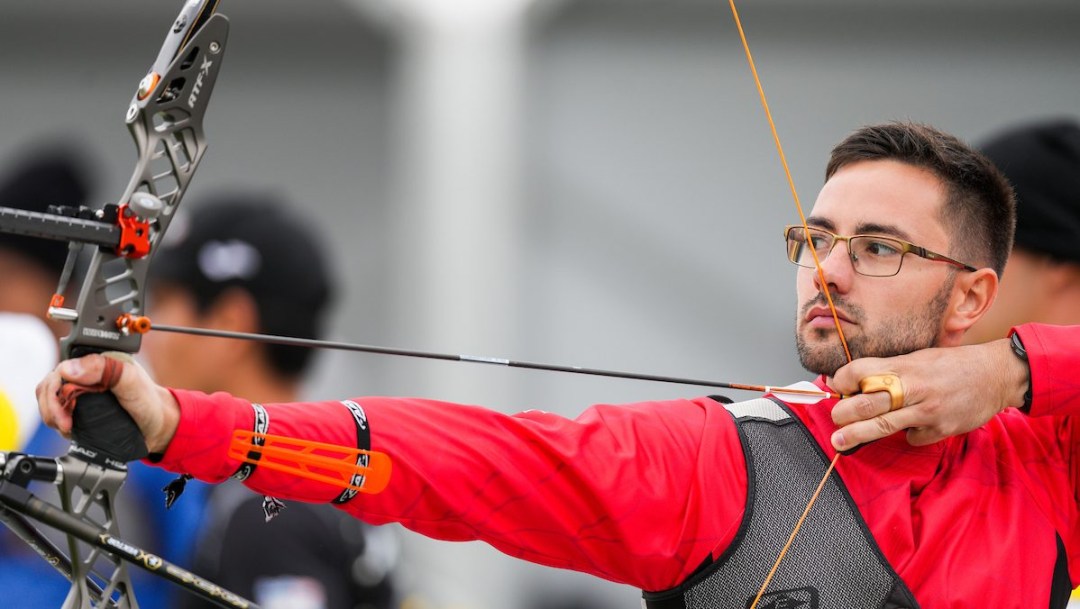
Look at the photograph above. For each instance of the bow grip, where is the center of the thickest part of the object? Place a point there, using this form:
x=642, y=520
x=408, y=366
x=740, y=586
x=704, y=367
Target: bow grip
x=103, y=432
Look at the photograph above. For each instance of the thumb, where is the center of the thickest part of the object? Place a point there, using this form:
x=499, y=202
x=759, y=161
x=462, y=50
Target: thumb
x=92, y=370
x=84, y=370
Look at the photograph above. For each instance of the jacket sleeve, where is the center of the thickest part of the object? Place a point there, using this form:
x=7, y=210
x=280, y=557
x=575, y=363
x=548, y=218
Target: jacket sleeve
x=1054, y=359
x=639, y=494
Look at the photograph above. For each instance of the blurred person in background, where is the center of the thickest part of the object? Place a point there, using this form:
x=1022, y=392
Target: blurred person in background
x=30, y=267
x=1041, y=282
x=241, y=262
x=29, y=272
x=60, y=174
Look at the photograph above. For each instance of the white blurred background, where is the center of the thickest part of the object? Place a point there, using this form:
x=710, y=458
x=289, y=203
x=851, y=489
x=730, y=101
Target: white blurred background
x=585, y=182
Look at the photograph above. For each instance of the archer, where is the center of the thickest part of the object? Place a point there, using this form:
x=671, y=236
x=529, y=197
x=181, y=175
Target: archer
x=691, y=500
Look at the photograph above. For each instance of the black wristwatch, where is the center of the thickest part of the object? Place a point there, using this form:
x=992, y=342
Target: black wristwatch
x=1021, y=352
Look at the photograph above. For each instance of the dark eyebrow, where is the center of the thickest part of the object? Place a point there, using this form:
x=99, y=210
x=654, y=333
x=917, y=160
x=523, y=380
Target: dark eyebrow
x=866, y=228
x=872, y=228
x=821, y=223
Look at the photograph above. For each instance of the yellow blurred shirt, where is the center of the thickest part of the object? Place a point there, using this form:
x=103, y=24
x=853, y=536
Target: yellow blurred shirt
x=28, y=351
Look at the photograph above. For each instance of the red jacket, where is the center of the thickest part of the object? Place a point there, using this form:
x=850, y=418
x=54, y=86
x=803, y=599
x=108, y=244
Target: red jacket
x=642, y=493
x=1054, y=357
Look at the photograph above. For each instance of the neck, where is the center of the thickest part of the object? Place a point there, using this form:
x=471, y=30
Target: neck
x=1063, y=306
x=254, y=380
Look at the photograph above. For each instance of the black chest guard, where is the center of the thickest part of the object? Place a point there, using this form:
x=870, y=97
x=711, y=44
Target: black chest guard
x=833, y=563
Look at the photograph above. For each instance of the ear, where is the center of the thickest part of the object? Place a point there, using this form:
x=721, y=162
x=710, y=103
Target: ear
x=972, y=295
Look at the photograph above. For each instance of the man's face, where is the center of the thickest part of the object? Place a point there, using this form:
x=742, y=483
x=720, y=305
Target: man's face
x=23, y=288
x=880, y=316
x=180, y=360
x=26, y=288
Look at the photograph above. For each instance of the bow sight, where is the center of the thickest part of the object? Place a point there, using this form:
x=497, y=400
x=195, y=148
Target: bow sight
x=165, y=119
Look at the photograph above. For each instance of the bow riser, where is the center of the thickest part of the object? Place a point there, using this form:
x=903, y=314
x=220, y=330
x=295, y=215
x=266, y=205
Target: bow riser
x=167, y=126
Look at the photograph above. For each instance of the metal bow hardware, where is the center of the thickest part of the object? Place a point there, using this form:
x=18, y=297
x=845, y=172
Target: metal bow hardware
x=165, y=119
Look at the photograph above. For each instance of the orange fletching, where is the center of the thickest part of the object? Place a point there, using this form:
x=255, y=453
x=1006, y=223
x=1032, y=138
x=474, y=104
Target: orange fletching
x=363, y=471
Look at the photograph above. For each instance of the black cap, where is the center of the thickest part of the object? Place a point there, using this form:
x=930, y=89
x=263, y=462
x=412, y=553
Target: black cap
x=38, y=179
x=251, y=241
x=1042, y=161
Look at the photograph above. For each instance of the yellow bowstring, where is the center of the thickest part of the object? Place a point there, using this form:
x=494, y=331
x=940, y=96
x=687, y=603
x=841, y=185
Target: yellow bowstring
x=824, y=288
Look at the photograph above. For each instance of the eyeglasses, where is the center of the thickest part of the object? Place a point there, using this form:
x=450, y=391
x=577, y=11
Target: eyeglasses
x=871, y=255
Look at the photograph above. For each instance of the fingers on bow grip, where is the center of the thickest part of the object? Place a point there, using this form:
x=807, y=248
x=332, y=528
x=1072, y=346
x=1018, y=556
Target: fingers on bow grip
x=102, y=431
x=364, y=471
x=69, y=392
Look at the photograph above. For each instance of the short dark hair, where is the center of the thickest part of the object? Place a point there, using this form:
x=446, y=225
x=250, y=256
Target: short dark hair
x=1041, y=159
x=980, y=208
x=56, y=173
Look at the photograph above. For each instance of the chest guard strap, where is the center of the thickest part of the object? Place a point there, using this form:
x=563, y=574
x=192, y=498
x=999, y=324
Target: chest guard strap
x=834, y=562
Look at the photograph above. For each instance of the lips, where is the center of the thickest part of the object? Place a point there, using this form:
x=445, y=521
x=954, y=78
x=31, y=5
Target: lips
x=820, y=316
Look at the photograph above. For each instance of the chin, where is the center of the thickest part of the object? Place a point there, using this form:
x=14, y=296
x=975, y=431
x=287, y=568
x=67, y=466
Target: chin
x=820, y=356
x=826, y=365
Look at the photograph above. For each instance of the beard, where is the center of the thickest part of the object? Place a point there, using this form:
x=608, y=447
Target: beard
x=892, y=337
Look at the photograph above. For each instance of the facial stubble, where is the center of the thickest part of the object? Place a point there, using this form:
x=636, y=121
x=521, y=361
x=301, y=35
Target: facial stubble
x=895, y=336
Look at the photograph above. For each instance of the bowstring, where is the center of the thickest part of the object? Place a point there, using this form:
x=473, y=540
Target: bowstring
x=821, y=279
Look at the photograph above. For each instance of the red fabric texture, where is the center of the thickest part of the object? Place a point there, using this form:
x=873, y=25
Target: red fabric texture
x=1054, y=358
x=643, y=493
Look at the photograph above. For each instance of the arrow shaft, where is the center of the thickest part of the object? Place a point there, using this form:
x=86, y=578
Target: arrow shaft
x=473, y=359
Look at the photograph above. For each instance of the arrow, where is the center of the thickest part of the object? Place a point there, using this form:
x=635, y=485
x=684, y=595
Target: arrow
x=801, y=393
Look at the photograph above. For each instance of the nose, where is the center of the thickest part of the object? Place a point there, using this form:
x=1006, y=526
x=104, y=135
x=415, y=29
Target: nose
x=837, y=268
